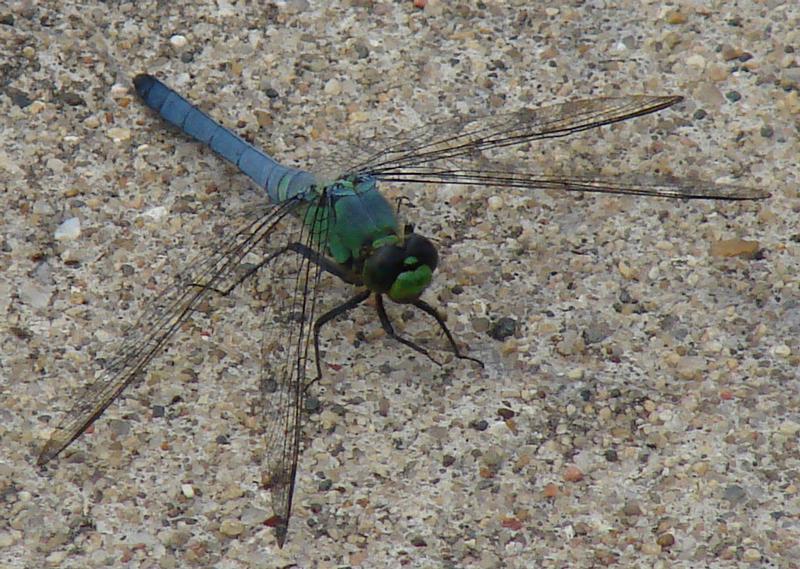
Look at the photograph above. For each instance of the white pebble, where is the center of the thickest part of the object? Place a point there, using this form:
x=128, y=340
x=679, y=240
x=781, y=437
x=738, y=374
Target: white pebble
x=187, y=490
x=178, y=41
x=118, y=90
x=156, y=213
x=783, y=351
x=68, y=230
x=118, y=134
x=495, y=203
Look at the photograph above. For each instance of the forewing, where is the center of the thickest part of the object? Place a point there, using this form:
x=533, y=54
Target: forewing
x=286, y=350
x=628, y=184
x=161, y=319
x=434, y=144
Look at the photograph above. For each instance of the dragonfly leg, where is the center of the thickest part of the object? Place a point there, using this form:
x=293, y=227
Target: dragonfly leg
x=428, y=309
x=387, y=327
x=302, y=250
x=335, y=312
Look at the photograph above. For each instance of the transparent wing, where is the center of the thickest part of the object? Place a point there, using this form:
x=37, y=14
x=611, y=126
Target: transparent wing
x=285, y=360
x=455, y=151
x=635, y=185
x=161, y=319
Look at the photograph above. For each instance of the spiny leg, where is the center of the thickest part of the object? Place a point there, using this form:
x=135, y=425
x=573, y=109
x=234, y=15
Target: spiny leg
x=428, y=309
x=299, y=248
x=387, y=327
x=327, y=317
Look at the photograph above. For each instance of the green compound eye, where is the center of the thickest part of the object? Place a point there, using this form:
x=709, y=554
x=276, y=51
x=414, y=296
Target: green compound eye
x=409, y=285
x=401, y=271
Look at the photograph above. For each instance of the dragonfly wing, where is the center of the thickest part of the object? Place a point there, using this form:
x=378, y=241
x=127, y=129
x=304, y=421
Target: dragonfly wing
x=439, y=142
x=284, y=359
x=161, y=319
x=637, y=185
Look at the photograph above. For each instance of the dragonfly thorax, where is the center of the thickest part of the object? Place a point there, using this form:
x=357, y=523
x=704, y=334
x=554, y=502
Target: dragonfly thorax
x=401, y=270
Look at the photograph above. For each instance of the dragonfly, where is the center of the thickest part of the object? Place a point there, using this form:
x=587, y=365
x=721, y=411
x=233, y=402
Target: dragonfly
x=344, y=226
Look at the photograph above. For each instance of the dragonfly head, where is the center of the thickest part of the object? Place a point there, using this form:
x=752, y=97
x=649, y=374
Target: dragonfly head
x=401, y=269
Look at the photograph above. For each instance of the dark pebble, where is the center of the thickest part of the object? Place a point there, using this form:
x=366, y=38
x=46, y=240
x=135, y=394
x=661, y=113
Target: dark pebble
x=362, y=51
x=505, y=413
x=611, y=455
x=734, y=494
x=7, y=19
x=222, y=440
x=596, y=332
x=503, y=328
x=325, y=485
x=158, y=411
x=586, y=394
x=19, y=98
x=699, y=115
x=767, y=131
x=72, y=99
x=271, y=93
x=479, y=425
x=733, y=96
x=312, y=405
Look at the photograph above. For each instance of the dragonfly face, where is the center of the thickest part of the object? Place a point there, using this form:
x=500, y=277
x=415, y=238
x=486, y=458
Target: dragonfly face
x=402, y=271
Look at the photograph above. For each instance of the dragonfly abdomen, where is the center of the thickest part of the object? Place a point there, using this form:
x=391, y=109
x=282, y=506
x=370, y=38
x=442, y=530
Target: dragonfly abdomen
x=280, y=182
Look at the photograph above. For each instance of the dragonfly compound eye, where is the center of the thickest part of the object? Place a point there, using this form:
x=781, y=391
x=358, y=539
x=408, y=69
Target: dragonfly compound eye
x=402, y=272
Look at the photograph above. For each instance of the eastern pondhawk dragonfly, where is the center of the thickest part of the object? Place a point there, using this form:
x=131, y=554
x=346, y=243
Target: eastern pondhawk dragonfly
x=347, y=228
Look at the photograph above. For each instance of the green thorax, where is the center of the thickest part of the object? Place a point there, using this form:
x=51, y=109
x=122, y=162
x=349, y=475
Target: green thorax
x=355, y=220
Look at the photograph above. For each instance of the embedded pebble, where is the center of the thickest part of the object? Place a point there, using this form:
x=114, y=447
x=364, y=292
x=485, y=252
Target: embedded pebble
x=231, y=528
x=178, y=41
x=69, y=230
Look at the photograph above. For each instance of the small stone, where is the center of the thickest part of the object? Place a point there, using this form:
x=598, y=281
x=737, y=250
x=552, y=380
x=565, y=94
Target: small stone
x=596, y=332
x=632, y=509
x=6, y=539
x=733, y=96
x=178, y=41
x=649, y=548
x=479, y=425
x=789, y=428
x=503, y=328
x=550, y=490
x=676, y=17
x=751, y=555
x=156, y=213
x=697, y=61
x=782, y=350
x=626, y=270
x=690, y=367
x=735, y=248
x=69, y=230
x=333, y=87
x=118, y=134
x=231, y=528
x=573, y=474
x=187, y=490
x=734, y=494
x=666, y=540
x=505, y=413
x=730, y=53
